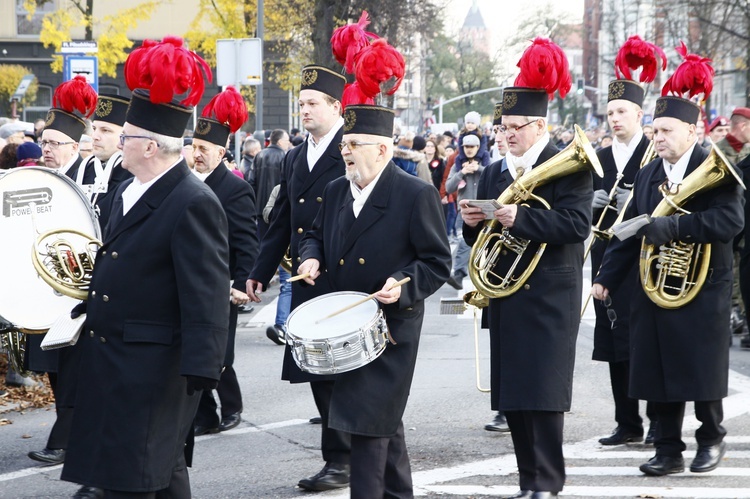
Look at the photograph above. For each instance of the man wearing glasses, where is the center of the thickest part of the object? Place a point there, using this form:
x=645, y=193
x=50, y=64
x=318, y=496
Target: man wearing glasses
x=357, y=214
x=533, y=331
x=307, y=169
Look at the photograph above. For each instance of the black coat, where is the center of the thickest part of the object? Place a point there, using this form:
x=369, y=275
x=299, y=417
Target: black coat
x=402, y=215
x=238, y=200
x=680, y=354
x=157, y=312
x=89, y=174
x=300, y=197
x=266, y=174
x=613, y=345
x=533, y=331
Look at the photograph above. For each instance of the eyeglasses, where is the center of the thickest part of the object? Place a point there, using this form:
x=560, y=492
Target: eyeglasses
x=514, y=129
x=53, y=144
x=611, y=314
x=123, y=137
x=354, y=144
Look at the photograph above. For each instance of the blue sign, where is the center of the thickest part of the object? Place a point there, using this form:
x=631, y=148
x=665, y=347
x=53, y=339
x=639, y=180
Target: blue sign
x=88, y=66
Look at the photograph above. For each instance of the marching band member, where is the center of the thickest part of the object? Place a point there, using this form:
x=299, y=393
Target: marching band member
x=157, y=309
x=680, y=354
x=225, y=114
x=620, y=162
x=533, y=331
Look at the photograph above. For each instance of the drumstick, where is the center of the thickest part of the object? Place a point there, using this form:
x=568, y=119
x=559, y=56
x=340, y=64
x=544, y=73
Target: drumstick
x=363, y=300
x=299, y=277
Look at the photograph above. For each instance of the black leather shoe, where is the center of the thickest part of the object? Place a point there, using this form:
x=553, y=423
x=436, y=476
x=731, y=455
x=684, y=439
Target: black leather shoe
x=51, y=456
x=276, y=334
x=621, y=436
x=199, y=430
x=708, y=458
x=316, y=420
x=455, y=283
x=89, y=493
x=498, y=424
x=651, y=435
x=332, y=476
x=231, y=421
x=543, y=495
x=521, y=494
x=663, y=465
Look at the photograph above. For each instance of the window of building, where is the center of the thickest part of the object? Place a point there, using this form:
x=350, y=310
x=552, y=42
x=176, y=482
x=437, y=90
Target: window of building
x=32, y=27
x=43, y=96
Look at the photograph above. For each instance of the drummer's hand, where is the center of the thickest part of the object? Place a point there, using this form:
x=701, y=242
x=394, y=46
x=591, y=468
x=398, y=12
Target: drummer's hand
x=310, y=266
x=254, y=289
x=237, y=297
x=388, y=295
x=599, y=292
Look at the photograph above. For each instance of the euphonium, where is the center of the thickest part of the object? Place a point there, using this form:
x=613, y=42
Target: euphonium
x=67, y=268
x=673, y=274
x=491, y=246
x=286, y=261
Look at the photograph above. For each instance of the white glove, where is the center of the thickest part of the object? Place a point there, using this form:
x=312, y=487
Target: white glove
x=601, y=199
x=621, y=197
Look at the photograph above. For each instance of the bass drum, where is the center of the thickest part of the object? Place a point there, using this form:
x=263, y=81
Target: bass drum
x=36, y=200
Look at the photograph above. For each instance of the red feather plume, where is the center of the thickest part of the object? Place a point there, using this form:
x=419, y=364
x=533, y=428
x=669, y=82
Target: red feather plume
x=378, y=64
x=637, y=53
x=75, y=95
x=544, y=66
x=693, y=76
x=348, y=40
x=167, y=69
x=353, y=95
x=227, y=107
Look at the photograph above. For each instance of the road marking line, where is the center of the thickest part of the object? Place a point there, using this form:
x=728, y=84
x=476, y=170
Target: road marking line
x=582, y=491
x=29, y=472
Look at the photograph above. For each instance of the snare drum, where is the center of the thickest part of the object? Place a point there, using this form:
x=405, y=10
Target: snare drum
x=35, y=200
x=342, y=343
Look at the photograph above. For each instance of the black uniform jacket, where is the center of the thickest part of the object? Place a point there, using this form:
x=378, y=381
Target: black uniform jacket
x=399, y=233
x=157, y=312
x=613, y=345
x=533, y=331
x=300, y=197
x=681, y=354
x=89, y=175
x=238, y=200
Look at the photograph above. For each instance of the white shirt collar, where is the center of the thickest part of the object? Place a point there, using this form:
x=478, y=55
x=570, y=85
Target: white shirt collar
x=136, y=189
x=64, y=168
x=529, y=158
x=622, y=152
x=361, y=195
x=315, y=150
x=676, y=172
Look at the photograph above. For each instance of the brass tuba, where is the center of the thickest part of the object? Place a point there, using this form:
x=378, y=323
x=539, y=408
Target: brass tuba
x=673, y=274
x=492, y=246
x=67, y=267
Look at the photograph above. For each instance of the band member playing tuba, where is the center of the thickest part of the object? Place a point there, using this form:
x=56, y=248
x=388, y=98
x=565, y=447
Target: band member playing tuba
x=533, y=331
x=679, y=346
x=620, y=162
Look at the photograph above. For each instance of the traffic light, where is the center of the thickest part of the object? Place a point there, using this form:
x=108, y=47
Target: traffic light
x=579, y=86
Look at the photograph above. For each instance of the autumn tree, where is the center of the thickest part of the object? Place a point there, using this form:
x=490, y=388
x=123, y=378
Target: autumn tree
x=10, y=78
x=111, y=30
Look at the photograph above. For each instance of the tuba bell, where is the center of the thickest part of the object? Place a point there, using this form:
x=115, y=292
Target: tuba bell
x=489, y=251
x=673, y=274
x=64, y=259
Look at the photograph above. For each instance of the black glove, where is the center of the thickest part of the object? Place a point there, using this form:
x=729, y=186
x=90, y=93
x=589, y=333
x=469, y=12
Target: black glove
x=78, y=310
x=660, y=231
x=198, y=383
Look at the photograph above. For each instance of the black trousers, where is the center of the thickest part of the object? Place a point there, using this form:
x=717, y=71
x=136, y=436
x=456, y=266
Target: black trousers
x=380, y=467
x=179, y=487
x=228, y=390
x=537, y=441
x=668, y=441
x=626, y=409
x=336, y=445
x=64, y=389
